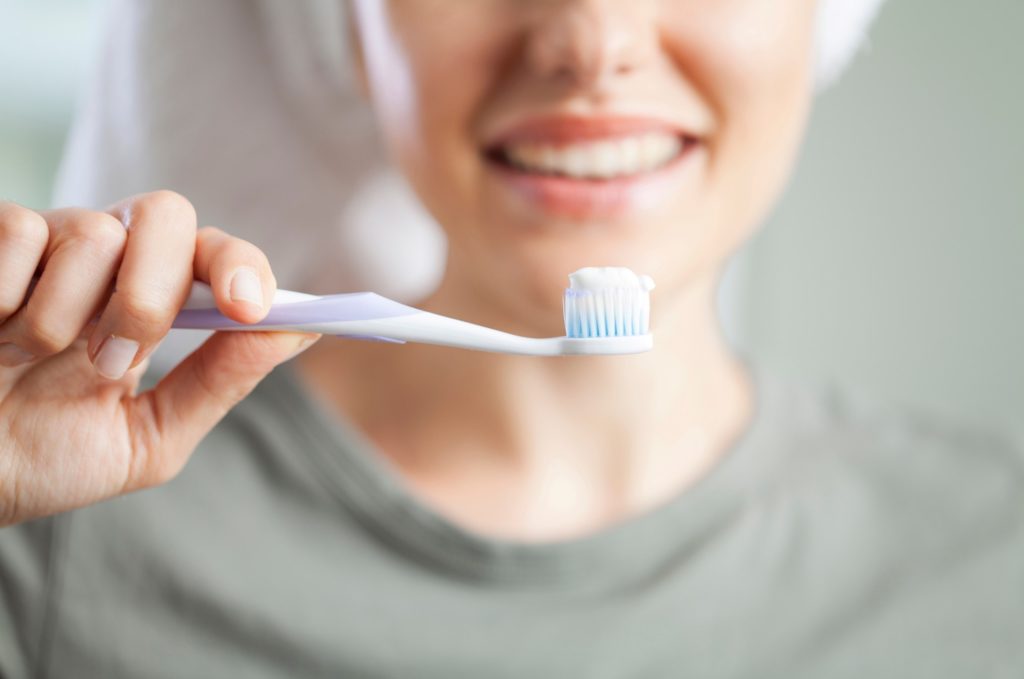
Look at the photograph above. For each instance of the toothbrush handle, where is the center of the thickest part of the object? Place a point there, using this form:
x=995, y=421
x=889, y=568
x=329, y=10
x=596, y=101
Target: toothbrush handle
x=201, y=297
x=289, y=311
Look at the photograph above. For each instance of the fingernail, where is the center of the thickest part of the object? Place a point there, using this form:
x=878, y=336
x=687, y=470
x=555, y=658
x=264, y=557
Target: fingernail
x=115, y=357
x=12, y=355
x=246, y=287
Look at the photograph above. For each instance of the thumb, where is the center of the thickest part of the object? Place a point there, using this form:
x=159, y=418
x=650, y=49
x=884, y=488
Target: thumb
x=169, y=421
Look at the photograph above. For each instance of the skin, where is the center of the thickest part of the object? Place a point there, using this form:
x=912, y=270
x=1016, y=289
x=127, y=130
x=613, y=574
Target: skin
x=518, y=448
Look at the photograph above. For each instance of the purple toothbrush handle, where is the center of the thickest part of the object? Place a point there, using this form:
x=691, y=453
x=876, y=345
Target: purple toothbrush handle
x=356, y=306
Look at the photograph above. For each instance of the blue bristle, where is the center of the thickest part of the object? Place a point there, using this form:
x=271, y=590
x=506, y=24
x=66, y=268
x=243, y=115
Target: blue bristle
x=615, y=312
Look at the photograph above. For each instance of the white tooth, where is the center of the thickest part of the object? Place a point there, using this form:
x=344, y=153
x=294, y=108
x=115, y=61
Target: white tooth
x=559, y=160
x=621, y=157
x=605, y=157
x=675, y=147
x=665, y=149
x=548, y=159
x=631, y=155
x=525, y=156
x=657, y=155
x=534, y=155
x=648, y=149
x=576, y=161
x=653, y=150
x=588, y=166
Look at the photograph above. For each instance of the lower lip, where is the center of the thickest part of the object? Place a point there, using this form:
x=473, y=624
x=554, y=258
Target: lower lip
x=589, y=198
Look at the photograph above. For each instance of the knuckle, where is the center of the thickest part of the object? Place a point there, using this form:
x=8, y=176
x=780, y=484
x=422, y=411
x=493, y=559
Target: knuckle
x=235, y=251
x=168, y=203
x=111, y=238
x=99, y=231
x=42, y=334
x=143, y=311
x=248, y=253
x=21, y=224
x=208, y=385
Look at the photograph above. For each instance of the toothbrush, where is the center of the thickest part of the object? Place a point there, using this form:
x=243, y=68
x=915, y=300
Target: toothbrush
x=606, y=319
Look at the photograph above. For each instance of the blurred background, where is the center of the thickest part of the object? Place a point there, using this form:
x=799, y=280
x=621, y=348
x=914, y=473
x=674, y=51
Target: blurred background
x=894, y=263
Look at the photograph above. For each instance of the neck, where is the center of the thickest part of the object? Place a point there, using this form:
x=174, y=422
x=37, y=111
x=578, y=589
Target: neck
x=537, y=449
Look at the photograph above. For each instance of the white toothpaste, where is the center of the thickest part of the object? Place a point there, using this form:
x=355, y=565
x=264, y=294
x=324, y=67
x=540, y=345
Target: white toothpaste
x=594, y=278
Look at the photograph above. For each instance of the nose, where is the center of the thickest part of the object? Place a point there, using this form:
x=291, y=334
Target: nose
x=587, y=42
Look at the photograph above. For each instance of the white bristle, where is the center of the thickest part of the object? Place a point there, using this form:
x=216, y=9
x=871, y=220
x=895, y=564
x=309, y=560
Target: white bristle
x=612, y=312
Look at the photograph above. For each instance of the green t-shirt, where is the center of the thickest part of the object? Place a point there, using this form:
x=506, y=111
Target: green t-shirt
x=836, y=539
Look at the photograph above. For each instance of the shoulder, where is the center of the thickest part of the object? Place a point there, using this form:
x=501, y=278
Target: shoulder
x=857, y=429
x=921, y=448
x=905, y=475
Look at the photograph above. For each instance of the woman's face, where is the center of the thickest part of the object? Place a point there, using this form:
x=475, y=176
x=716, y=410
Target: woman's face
x=548, y=135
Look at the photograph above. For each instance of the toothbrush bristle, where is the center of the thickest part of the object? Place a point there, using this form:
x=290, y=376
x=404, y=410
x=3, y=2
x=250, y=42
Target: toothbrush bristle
x=611, y=312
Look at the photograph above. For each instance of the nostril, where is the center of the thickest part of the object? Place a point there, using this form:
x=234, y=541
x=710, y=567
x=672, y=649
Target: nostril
x=589, y=72
x=566, y=74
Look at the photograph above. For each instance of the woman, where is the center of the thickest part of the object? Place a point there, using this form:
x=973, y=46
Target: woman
x=369, y=510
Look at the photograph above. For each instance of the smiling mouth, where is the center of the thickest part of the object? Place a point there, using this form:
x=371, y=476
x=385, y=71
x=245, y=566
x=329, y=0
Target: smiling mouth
x=594, y=160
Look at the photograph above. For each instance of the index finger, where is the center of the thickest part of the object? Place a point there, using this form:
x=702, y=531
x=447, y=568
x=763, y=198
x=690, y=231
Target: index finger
x=153, y=281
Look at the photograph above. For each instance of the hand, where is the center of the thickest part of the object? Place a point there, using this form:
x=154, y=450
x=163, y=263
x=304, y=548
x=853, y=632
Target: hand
x=73, y=430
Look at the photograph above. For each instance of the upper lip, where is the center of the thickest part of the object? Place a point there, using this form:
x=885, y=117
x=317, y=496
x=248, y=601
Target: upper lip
x=560, y=130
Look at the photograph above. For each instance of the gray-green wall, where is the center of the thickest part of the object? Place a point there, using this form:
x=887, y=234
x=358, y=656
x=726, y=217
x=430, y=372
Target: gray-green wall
x=896, y=261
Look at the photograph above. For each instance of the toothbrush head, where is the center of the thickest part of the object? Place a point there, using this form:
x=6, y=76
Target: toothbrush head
x=607, y=310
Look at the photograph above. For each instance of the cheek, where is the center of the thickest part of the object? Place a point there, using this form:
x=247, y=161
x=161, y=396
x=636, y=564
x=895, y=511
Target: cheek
x=430, y=69
x=752, y=61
